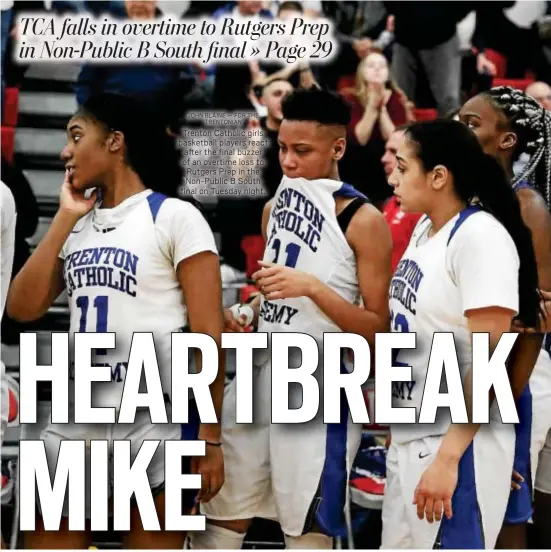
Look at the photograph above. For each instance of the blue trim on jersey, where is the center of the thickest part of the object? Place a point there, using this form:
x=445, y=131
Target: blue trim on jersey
x=519, y=507
x=465, y=529
x=463, y=216
x=521, y=185
x=155, y=201
x=190, y=432
x=347, y=190
x=334, y=477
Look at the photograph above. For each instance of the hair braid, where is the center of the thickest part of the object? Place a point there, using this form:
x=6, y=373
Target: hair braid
x=532, y=125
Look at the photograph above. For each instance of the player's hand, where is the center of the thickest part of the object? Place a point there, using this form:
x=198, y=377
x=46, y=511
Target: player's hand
x=282, y=282
x=435, y=490
x=233, y=323
x=211, y=469
x=516, y=481
x=73, y=201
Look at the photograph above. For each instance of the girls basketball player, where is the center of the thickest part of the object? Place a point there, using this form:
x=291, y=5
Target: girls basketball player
x=474, y=271
x=325, y=249
x=511, y=125
x=131, y=260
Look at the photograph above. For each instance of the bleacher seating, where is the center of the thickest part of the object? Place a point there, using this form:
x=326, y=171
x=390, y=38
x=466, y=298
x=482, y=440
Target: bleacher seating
x=424, y=114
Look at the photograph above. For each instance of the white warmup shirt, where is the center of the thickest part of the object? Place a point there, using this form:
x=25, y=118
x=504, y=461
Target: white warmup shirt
x=466, y=265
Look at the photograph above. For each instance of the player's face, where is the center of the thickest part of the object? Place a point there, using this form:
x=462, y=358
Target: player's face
x=86, y=154
x=273, y=96
x=409, y=180
x=483, y=119
x=308, y=150
x=391, y=149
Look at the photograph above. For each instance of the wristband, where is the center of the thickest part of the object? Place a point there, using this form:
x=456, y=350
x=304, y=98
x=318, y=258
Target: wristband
x=239, y=310
x=213, y=444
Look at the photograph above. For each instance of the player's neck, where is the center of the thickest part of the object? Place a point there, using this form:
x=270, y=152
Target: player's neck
x=123, y=184
x=444, y=213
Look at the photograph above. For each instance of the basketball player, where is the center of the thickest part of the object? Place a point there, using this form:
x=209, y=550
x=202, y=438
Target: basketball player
x=131, y=261
x=468, y=268
x=508, y=124
x=312, y=278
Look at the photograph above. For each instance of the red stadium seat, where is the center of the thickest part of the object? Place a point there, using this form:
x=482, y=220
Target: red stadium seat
x=8, y=142
x=346, y=82
x=520, y=84
x=425, y=114
x=499, y=60
x=11, y=104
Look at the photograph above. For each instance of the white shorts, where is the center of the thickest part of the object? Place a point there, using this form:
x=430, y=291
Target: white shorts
x=543, y=474
x=297, y=474
x=138, y=432
x=479, y=501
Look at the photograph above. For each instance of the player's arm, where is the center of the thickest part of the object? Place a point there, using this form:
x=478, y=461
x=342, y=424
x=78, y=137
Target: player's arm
x=231, y=324
x=373, y=258
x=435, y=489
x=40, y=281
x=527, y=348
x=200, y=280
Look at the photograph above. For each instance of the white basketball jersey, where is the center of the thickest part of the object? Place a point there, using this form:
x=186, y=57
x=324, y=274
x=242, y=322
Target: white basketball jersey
x=471, y=262
x=303, y=233
x=120, y=274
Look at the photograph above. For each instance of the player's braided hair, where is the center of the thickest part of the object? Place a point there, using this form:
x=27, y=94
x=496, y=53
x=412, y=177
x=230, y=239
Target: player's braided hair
x=532, y=125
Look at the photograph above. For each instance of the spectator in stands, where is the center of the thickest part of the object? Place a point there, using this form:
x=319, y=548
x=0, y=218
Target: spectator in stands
x=377, y=107
x=426, y=40
x=541, y=92
x=401, y=224
x=233, y=81
x=359, y=26
x=271, y=96
x=160, y=86
x=511, y=29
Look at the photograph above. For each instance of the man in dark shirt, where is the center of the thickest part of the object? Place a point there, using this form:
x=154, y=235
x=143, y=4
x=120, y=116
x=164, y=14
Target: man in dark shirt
x=426, y=39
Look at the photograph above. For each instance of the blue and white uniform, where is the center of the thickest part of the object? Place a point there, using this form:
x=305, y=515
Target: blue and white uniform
x=120, y=274
x=297, y=474
x=470, y=263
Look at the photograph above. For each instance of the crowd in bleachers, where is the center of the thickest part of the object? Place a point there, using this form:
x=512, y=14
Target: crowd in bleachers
x=397, y=62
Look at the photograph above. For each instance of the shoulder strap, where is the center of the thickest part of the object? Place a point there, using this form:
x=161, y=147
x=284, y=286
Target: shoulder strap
x=155, y=201
x=345, y=216
x=347, y=190
x=463, y=216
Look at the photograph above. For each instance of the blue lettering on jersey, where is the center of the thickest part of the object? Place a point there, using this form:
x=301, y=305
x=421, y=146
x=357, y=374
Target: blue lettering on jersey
x=294, y=212
x=405, y=284
x=402, y=389
x=118, y=372
x=280, y=314
x=110, y=267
